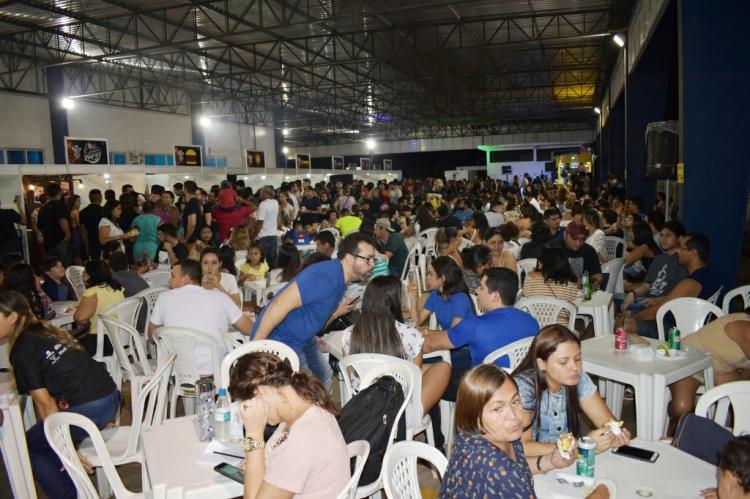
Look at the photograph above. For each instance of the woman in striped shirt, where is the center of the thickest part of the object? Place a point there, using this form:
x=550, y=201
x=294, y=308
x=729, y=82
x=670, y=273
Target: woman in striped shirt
x=553, y=278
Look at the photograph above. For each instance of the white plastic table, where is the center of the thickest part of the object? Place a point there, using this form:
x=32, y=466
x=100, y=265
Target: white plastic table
x=649, y=379
x=674, y=475
x=64, y=311
x=172, y=451
x=600, y=307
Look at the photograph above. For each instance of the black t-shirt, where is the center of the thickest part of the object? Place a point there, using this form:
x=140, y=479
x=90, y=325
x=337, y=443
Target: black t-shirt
x=312, y=203
x=179, y=250
x=9, y=240
x=49, y=222
x=40, y=361
x=90, y=217
x=585, y=259
x=193, y=207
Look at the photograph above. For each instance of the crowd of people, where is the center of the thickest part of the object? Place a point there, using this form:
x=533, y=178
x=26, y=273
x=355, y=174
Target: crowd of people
x=507, y=423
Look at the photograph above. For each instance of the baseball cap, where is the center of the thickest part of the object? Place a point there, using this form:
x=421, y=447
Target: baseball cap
x=383, y=223
x=577, y=230
x=227, y=198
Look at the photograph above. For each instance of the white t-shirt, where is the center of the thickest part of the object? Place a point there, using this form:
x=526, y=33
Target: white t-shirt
x=494, y=219
x=596, y=241
x=229, y=283
x=268, y=212
x=209, y=311
x=114, y=230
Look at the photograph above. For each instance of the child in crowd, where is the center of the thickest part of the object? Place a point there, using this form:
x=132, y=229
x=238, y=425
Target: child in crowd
x=255, y=268
x=54, y=284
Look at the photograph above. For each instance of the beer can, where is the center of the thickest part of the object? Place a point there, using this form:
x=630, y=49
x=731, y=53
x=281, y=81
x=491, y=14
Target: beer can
x=586, y=459
x=674, y=339
x=621, y=339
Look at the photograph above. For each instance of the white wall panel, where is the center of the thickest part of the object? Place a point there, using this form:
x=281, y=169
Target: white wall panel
x=25, y=123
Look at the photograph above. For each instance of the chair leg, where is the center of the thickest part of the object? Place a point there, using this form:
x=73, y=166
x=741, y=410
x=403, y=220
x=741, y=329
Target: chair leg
x=430, y=434
x=173, y=403
x=102, y=484
x=188, y=403
x=145, y=481
x=447, y=411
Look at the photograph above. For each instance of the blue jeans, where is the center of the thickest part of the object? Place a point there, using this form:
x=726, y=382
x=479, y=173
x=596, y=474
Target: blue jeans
x=47, y=467
x=311, y=360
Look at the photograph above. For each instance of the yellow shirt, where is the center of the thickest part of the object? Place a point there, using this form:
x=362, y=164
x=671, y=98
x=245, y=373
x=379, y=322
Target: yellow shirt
x=258, y=273
x=348, y=223
x=105, y=298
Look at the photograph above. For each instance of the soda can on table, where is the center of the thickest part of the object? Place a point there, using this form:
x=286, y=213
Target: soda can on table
x=621, y=339
x=674, y=339
x=586, y=459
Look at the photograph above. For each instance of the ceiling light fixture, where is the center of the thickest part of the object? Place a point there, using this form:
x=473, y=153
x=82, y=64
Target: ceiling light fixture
x=619, y=40
x=68, y=103
x=598, y=110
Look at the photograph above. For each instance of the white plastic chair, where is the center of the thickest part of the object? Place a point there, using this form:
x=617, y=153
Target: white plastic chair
x=400, y=477
x=362, y=363
x=57, y=429
x=690, y=315
x=359, y=449
x=157, y=277
x=546, y=310
x=267, y=295
x=714, y=298
x=182, y=341
x=282, y=351
x=736, y=394
x=74, y=274
x=464, y=243
x=516, y=352
x=523, y=267
x=411, y=259
x=743, y=292
x=404, y=375
x=125, y=310
x=427, y=240
x=123, y=442
x=614, y=268
x=612, y=246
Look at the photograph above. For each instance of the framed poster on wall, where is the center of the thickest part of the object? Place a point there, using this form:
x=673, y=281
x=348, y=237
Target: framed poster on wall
x=364, y=163
x=337, y=162
x=387, y=164
x=303, y=161
x=188, y=156
x=255, y=159
x=83, y=151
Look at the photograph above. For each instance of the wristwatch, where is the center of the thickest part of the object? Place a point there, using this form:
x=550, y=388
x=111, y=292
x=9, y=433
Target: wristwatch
x=250, y=444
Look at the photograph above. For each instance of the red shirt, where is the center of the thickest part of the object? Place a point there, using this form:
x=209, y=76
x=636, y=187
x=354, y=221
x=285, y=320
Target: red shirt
x=229, y=219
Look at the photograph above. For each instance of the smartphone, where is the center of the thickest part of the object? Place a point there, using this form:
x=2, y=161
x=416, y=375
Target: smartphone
x=636, y=453
x=231, y=472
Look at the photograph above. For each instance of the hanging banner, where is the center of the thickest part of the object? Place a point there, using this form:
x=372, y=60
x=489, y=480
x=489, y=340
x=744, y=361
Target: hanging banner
x=188, y=156
x=81, y=151
x=303, y=161
x=255, y=159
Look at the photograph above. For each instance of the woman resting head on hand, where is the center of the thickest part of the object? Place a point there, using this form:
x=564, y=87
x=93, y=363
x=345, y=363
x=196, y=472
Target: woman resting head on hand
x=306, y=455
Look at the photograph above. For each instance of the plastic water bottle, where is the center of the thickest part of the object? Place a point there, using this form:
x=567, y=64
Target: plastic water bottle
x=223, y=418
x=205, y=408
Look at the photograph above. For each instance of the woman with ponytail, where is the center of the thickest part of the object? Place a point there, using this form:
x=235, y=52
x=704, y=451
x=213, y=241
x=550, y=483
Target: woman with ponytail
x=56, y=371
x=306, y=456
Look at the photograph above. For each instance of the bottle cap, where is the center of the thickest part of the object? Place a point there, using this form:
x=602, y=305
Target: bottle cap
x=222, y=392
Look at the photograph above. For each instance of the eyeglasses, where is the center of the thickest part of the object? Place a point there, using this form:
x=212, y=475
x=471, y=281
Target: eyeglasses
x=368, y=259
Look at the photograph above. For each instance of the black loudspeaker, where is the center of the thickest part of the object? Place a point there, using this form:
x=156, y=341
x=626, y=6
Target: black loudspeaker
x=550, y=166
x=345, y=179
x=507, y=169
x=662, y=146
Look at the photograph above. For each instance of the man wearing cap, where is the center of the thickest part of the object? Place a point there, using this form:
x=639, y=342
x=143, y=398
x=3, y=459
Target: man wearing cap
x=582, y=256
x=228, y=213
x=392, y=245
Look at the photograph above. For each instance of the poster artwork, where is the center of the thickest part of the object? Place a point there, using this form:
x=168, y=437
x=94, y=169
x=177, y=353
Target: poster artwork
x=188, y=156
x=255, y=159
x=387, y=164
x=303, y=161
x=80, y=151
x=337, y=162
x=364, y=163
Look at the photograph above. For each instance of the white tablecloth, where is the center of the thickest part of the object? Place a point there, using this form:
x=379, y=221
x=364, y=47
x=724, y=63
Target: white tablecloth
x=172, y=451
x=64, y=311
x=674, y=475
x=649, y=379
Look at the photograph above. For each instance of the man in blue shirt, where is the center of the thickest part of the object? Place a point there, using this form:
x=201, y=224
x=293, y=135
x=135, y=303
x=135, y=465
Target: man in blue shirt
x=499, y=326
x=312, y=300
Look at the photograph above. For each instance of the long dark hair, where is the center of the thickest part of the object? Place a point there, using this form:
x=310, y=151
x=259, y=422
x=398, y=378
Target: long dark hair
x=28, y=323
x=288, y=261
x=447, y=268
x=21, y=279
x=545, y=344
x=480, y=223
x=555, y=266
x=375, y=330
x=100, y=274
x=642, y=235
x=257, y=369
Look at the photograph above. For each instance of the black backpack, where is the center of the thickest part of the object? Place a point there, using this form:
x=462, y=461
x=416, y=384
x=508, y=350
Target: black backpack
x=369, y=416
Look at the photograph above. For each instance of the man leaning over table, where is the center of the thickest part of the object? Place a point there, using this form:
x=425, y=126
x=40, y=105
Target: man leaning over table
x=312, y=300
x=189, y=305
